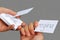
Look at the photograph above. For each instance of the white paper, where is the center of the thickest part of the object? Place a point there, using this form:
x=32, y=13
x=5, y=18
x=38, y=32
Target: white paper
x=9, y=20
x=6, y=19
x=23, y=12
x=46, y=26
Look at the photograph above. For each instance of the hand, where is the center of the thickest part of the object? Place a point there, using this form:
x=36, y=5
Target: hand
x=3, y=26
x=28, y=33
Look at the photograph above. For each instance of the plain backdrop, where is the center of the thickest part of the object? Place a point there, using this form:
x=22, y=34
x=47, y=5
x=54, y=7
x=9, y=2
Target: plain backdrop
x=43, y=9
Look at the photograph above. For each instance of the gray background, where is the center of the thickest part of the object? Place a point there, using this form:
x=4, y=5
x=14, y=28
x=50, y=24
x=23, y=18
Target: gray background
x=44, y=9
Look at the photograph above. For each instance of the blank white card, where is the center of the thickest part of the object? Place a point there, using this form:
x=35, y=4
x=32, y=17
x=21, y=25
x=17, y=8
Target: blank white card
x=46, y=26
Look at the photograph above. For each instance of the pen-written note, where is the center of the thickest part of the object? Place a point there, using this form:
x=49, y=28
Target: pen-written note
x=46, y=26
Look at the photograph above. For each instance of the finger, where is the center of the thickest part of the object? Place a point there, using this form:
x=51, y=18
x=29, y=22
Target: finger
x=27, y=33
x=5, y=10
x=22, y=31
x=19, y=27
x=35, y=24
x=23, y=24
x=18, y=16
x=31, y=28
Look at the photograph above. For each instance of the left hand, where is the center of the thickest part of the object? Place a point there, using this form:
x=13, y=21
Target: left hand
x=3, y=26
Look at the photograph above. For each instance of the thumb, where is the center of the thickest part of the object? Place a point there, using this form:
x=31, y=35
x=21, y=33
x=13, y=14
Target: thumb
x=10, y=27
x=35, y=24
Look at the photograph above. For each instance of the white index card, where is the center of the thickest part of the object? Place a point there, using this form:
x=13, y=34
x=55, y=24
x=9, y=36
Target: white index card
x=46, y=26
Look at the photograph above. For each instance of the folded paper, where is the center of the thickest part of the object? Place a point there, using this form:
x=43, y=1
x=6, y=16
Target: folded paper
x=10, y=20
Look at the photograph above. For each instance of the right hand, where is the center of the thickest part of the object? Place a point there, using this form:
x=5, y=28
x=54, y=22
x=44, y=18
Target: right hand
x=27, y=32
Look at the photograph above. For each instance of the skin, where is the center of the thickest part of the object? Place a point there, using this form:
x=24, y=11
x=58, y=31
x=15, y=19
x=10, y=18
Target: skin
x=29, y=33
